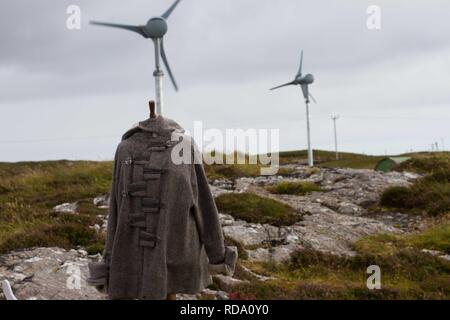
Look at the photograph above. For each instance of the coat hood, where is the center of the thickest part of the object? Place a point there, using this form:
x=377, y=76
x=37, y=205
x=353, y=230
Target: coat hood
x=159, y=124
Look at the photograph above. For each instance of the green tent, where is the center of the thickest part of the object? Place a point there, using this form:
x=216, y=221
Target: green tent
x=387, y=164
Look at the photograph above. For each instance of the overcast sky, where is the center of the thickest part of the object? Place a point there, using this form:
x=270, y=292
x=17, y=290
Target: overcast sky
x=72, y=93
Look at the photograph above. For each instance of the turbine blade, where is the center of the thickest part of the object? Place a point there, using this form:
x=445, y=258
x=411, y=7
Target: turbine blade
x=301, y=65
x=167, y=14
x=137, y=29
x=284, y=85
x=166, y=63
x=312, y=98
x=305, y=92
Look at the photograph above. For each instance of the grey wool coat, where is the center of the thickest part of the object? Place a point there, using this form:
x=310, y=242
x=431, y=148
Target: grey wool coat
x=163, y=234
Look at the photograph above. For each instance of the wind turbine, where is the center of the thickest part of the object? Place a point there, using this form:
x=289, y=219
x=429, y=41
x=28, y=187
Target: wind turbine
x=155, y=29
x=304, y=82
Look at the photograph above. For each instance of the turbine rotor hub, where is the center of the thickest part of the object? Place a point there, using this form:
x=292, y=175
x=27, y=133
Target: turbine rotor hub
x=156, y=27
x=309, y=78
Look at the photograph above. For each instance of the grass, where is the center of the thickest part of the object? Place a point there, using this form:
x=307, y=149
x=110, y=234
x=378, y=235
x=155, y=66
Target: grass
x=421, y=162
x=434, y=238
x=231, y=171
x=29, y=191
x=328, y=159
x=406, y=271
x=405, y=274
x=294, y=188
x=321, y=157
x=429, y=195
x=426, y=163
x=256, y=209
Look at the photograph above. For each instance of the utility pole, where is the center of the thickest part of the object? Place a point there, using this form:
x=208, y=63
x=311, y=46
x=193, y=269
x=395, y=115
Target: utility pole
x=334, y=118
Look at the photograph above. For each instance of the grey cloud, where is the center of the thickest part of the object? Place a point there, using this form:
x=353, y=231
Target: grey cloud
x=225, y=55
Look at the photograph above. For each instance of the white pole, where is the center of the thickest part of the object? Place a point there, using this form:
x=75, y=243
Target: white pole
x=158, y=74
x=335, y=136
x=310, y=152
x=7, y=291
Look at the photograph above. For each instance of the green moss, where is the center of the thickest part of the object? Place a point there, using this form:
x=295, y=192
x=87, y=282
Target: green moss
x=295, y=188
x=256, y=209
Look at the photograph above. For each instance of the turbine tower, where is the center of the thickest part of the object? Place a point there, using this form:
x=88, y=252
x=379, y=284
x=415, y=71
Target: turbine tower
x=155, y=29
x=304, y=82
x=334, y=118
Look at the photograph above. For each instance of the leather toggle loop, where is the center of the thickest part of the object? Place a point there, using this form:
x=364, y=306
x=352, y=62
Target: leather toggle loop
x=137, y=220
x=147, y=239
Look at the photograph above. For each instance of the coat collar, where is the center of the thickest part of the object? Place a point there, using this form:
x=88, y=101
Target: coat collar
x=159, y=125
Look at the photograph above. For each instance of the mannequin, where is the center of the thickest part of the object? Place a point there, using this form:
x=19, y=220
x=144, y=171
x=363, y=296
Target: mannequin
x=164, y=235
x=152, y=107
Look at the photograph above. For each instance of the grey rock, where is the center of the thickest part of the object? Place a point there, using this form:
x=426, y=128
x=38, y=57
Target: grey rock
x=251, y=234
x=48, y=274
x=102, y=201
x=226, y=219
x=227, y=283
x=255, y=275
x=436, y=253
x=71, y=208
x=277, y=253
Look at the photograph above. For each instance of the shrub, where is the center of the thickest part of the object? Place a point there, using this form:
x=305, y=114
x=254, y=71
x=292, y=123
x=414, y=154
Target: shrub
x=256, y=209
x=395, y=197
x=440, y=176
x=424, y=165
x=430, y=194
x=96, y=248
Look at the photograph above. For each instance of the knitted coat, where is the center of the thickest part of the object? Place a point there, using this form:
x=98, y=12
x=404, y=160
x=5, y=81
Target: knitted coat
x=163, y=234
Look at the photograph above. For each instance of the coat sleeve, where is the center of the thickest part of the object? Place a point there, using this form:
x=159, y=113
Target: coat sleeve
x=113, y=211
x=221, y=259
x=99, y=272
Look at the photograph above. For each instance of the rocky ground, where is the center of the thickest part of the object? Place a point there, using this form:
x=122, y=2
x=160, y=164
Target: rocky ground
x=332, y=220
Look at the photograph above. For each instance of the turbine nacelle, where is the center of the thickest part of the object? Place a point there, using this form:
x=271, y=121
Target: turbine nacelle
x=307, y=79
x=156, y=27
